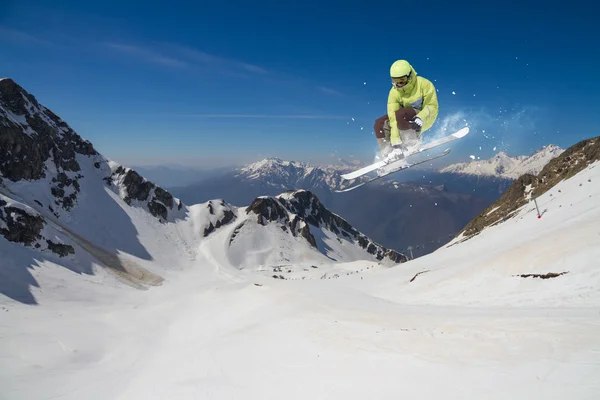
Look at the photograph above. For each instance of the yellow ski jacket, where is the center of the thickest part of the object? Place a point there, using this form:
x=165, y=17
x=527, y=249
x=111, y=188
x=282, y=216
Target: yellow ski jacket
x=419, y=94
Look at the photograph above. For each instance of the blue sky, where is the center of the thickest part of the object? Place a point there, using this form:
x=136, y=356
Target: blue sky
x=201, y=83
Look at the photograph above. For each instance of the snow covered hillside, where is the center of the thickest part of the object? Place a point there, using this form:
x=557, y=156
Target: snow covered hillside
x=63, y=204
x=510, y=313
x=503, y=166
x=111, y=288
x=528, y=187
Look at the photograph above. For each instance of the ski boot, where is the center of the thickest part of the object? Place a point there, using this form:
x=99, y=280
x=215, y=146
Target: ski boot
x=398, y=152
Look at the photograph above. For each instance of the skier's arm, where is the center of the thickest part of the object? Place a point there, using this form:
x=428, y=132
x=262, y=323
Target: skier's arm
x=393, y=105
x=430, y=109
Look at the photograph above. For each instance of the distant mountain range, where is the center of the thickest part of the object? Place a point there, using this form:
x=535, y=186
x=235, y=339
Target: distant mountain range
x=391, y=212
x=415, y=207
x=503, y=166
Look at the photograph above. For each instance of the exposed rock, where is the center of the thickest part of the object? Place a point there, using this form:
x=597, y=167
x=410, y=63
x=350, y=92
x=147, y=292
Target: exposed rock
x=220, y=215
x=544, y=276
x=308, y=207
x=270, y=209
x=569, y=163
x=417, y=274
x=30, y=134
x=20, y=226
x=35, y=143
x=157, y=209
x=138, y=188
x=513, y=199
x=228, y=216
x=62, y=250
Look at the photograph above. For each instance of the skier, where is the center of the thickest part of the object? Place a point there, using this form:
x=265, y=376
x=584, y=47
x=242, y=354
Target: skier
x=411, y=109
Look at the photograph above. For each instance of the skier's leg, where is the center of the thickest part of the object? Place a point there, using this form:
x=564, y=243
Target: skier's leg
x=408, y=136
x=382, y=133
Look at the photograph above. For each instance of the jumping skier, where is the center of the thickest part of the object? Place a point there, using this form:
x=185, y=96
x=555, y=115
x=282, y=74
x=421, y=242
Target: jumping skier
x=412, y=108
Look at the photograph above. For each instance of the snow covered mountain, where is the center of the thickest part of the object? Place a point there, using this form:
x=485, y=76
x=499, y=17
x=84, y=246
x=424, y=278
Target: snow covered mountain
x=389, y=212
x=294, y=222
x=510, y=313
x=284, y=175
x=63, y=203
x=503, y=166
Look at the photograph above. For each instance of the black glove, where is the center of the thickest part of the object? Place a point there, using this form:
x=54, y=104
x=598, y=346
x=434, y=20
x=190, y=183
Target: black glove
x=416, y=123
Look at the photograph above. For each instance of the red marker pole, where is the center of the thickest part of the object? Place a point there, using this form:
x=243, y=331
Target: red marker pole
x=536, y=207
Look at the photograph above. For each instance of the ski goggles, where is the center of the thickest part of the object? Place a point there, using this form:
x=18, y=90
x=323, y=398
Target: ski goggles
x=400, y=81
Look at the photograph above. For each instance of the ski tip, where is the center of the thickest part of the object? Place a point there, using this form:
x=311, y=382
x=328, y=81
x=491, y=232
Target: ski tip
x=463, y=132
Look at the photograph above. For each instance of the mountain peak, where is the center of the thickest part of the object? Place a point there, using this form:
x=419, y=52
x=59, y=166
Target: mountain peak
x=503, y=166
x=36, y=144
x=269, y=165
x=285, y=175
x=302, y=214
x=549, y=149
x=33, y=134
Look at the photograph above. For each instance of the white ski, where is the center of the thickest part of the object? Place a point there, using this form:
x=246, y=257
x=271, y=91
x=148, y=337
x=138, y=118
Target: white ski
x=391, y=168
x=375, y=166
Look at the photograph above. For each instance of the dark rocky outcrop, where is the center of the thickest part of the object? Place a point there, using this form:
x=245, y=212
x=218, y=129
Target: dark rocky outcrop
x=35, y=143
x=270, y=209
x=30, y=134
x=140, y=189
x=308, y=207
x=62, y=250
x=549, y=275
x=222, y=215
x=21, y=227
x=569, y=163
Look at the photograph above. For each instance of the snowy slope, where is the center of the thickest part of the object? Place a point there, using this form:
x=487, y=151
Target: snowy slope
x=501, y=165
x=110, y=217
x=458, y=323
x=209, y=320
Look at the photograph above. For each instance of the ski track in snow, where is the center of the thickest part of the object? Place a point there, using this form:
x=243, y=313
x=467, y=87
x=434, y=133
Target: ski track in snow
x=217, y=328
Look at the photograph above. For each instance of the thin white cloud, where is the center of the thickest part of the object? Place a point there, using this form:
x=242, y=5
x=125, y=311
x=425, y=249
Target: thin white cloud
x=168, y=55
x=147, y=55
x=224, y=65
x=329, y=90
x=20, y=37
x=178, y=56
x=271, y=116
x=254, y=68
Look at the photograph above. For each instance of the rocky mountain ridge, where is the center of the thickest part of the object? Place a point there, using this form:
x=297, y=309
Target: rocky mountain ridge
x=297, y=211
x=528, y=186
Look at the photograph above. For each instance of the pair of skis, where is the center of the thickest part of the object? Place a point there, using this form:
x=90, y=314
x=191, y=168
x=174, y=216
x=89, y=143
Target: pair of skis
x=386, y=167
